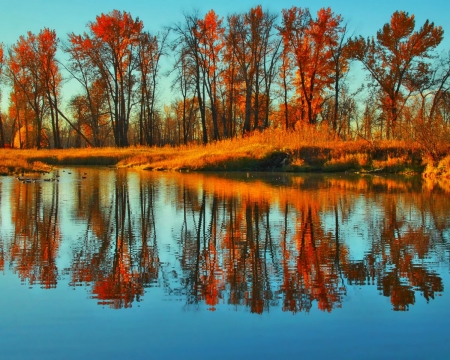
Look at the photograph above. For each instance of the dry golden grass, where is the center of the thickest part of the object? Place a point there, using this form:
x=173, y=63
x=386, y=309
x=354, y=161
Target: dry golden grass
x=87, y=156
x=11, y=164
x=305, y=149
x=441, y=170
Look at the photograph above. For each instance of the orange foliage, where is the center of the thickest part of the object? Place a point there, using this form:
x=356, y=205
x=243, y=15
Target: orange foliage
x=398, y=53
x=35, y=248
x=310, y=41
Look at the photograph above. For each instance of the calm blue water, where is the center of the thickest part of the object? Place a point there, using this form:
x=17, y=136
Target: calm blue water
x=121, y=264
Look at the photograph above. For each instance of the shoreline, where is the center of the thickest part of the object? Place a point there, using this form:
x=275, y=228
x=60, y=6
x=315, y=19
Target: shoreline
x=263, y=152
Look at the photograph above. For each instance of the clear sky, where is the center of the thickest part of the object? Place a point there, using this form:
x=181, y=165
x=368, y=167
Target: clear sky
x=363, y=17
x=65, y=16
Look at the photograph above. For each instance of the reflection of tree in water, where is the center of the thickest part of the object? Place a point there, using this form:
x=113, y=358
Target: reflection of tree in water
x=254, y=257
x=34, y=248
x=123, y=261
x=199, y=256
x=2, y=246
x=312, y=270
x=309, y=264
x=396, y=260
x=241, y=243
x=225, y=256
x=247, y=267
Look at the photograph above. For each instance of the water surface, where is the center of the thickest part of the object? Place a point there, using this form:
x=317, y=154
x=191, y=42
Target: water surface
x=117, y=263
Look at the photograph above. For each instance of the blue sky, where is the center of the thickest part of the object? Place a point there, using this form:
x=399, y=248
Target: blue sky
x=66, y=16
x=363, y=18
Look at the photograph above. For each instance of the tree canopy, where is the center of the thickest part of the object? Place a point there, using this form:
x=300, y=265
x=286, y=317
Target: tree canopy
x=229, y=76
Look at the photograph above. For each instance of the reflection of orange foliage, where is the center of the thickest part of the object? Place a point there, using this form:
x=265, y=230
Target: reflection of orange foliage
x=314, y=262
x=315, y=265
x=106, y=260
x=234, y=249
x=35, y=247
x=91, y=209
x=119, y=287
x=211, y=279
x=2, y=250
x=402, y=297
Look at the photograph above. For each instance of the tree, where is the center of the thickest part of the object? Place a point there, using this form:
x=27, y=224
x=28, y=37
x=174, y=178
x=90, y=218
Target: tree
x=187, y=44
x=285, y=71
x=91, y=117
x=260, y=24
x=210, y=34
x=310, y=41
x=340, y=60
x=185, y=83
x=230, y=78
x=151, y=48
x=112, y=49
x=33, y=71
x=426, y=114
x=272, y=56
x=82, y=69
x=51, y=78
x=248, y=39
x=390, y=59
x=20, y=111
x=24, y=72
x=2, y=135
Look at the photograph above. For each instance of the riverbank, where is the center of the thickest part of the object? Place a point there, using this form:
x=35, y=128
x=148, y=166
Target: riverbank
x=439, y=170
x=274, y=150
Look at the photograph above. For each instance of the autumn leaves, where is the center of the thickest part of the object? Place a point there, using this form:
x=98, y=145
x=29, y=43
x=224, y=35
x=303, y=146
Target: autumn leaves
x=114, y=55
x=311, y=43
x=230, y=76
x=397, y=60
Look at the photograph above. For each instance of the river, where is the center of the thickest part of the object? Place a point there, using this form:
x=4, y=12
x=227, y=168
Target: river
x=105, y=263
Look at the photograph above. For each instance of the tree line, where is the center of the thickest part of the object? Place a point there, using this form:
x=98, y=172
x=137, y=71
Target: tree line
x=228, y=77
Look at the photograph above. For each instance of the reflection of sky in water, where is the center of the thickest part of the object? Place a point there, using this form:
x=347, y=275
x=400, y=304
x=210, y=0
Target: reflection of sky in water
x=5, y=219
x=355, y=231
x=73, y=229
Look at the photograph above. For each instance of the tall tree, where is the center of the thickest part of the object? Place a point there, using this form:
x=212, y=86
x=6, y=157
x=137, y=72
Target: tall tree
x=187, y=44
x=33, y=71
x=151, y=49
x=185, y=83
x=24, y=73
x=397, y=51
x=47, y=43
x=261, y=24
x=310, y=41
x=248, y=36
x=270, y=66
x=82, y=68
x=425, y=115
x=2, y=135
x=230, y=78
x=210, y=34
x=285, y=83
x=111, y=47
x=340, y=59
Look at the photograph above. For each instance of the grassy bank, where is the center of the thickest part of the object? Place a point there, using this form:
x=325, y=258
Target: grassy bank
x=13, y=161
x=438, y=170
x=300, y=151
x=274, y=150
